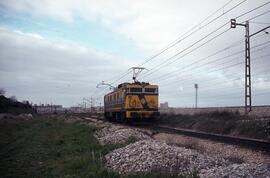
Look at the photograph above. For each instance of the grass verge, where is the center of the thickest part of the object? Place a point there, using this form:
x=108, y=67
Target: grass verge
x=53, y=148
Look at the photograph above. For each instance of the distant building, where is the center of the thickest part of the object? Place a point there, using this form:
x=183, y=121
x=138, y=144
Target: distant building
x=97, y=109
x=78, y=109
x=51, y=109
x=43, y=109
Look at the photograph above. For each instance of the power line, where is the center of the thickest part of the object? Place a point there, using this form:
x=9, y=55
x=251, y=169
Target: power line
x=238, y=52
x=178, y=40
x=199, y=41
x=223, y=82
x=121, y=77
x=198, y=61
x=231, y=95
x=252, y=10
x=260, y=23
x=208, y=87
x=191, y=32
x=160, y=78
x=259, y=15
x=209, y=35
x=238, y=78
x=235, y=53
x=164, y=63
x=220, y=69
x=226, y=67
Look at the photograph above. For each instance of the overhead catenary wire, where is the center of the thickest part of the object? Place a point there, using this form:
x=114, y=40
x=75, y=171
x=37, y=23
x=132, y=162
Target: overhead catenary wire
x=233, y=95
x=252, y=10
x=241, y=15
x=260, y=23
x=229, y=96
x=206, y=82
x=261, y=56
x=220, y=69
x=220, y=83
x=257, y=15
x=159, y=66
x=183, y=37
x=205, y=86
x=193, y=30
x=121, y=77
x=221, y=58
x=196, y=62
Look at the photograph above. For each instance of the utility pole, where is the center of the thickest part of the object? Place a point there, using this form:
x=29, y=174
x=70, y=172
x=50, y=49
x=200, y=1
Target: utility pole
x=196, y=95
x=248, y=105
x=91, y=102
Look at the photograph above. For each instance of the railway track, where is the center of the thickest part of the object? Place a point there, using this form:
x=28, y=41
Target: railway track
x=257, y=144
x=242, y=141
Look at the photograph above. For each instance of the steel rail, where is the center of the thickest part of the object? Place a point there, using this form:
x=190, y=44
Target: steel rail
x=252, y=143
x=243, y=141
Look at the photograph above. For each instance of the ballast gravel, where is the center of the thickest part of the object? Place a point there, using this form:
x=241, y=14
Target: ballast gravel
x=151, y=155
x=119, y=134
x=246, y=170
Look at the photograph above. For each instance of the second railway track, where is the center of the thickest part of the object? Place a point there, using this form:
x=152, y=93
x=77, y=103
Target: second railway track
x=257, y=144
x=242, y=141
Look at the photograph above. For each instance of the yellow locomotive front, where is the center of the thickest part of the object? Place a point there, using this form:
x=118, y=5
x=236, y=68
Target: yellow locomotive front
x=132, y=101
x=141, y=101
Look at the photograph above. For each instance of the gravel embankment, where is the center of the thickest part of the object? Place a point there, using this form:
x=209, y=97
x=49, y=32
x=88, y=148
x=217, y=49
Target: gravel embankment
x=246, y=170
x=119, y=134
x=234, y=153
x=151, y=155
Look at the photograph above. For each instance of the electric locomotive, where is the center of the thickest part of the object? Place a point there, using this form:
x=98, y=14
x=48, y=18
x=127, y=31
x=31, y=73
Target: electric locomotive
x=132, y=101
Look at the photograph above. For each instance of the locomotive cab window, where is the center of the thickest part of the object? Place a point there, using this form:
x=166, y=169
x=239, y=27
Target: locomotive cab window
x=135, y=90
x=150, y=90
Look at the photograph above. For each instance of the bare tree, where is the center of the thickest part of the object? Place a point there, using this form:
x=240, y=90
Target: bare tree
x=2, y=91
x=13, y=98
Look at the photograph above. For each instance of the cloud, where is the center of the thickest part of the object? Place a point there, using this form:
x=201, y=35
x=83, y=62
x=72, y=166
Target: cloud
x=34, y=35
x=32, y=67
x=150, y=24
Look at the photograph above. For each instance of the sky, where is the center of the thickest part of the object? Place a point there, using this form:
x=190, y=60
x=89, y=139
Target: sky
x=57, y=51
